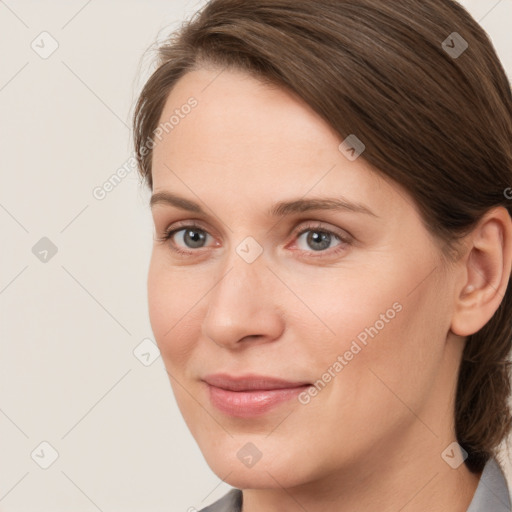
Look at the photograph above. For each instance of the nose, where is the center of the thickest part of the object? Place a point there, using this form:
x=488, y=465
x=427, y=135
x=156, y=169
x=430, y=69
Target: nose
x=243, y=304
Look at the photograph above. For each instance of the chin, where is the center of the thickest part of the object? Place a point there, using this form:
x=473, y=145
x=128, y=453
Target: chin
x=256, y=463
x=261, y=476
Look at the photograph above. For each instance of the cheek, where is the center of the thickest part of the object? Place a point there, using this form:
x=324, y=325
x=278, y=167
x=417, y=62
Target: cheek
x=172, y=304
x=393, y=355
x=376, y=328
x=343, y=312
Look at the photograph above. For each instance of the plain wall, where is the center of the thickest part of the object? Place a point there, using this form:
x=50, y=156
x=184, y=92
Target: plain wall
x=69, y=325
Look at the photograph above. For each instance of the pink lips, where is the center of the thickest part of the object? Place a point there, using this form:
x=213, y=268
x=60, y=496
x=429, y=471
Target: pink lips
x=250, y=395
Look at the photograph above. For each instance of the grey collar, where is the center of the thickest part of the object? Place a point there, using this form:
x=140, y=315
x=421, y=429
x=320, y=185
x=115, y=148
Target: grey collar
x=230, y=502
x=492, y=493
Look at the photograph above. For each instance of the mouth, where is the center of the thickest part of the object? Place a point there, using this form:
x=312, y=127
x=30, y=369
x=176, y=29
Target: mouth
x=250, y=395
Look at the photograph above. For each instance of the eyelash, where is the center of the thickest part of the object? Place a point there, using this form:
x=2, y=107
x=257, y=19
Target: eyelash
x=168, y=234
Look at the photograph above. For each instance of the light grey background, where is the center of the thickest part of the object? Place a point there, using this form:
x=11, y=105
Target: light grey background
x=69, y=326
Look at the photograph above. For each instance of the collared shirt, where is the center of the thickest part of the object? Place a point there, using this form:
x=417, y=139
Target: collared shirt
x=491, y=495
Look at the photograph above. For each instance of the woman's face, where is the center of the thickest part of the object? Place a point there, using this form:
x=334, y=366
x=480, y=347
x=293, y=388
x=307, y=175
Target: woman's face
x=269, y=284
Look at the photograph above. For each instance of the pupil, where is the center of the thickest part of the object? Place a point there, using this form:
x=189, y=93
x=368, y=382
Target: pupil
x=195, y=236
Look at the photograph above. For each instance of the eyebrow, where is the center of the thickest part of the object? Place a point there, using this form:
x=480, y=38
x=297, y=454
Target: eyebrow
x=279, y=209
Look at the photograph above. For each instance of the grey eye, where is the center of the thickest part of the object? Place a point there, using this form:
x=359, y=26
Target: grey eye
x=193, y=238
x=317, y=240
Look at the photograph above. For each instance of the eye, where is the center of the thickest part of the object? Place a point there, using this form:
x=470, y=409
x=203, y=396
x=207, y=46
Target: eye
x=190, y=237
x=319, y=239
x=193, y=238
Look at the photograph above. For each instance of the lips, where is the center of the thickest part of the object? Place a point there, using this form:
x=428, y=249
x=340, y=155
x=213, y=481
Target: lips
x=250, y=395
x=250, y=382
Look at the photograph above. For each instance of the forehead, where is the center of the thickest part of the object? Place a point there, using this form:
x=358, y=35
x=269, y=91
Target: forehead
x=255, y=140
x=235, y=107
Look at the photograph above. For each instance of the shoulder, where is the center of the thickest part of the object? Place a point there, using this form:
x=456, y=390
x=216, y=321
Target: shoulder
x=230, y=502
x=492, y=493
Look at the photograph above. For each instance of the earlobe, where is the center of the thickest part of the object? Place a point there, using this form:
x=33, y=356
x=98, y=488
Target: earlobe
x=485, y=272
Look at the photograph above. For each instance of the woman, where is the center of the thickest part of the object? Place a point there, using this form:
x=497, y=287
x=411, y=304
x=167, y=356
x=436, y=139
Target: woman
x=329, y=284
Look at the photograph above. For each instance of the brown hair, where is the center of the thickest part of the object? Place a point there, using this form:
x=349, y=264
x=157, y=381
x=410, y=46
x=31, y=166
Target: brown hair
x=436, y=122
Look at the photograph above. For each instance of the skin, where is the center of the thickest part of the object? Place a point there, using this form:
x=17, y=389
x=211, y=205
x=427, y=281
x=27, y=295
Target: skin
x=375, y=434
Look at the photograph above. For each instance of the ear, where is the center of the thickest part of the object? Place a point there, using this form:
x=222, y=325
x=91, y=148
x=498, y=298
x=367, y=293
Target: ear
x=485, y=271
